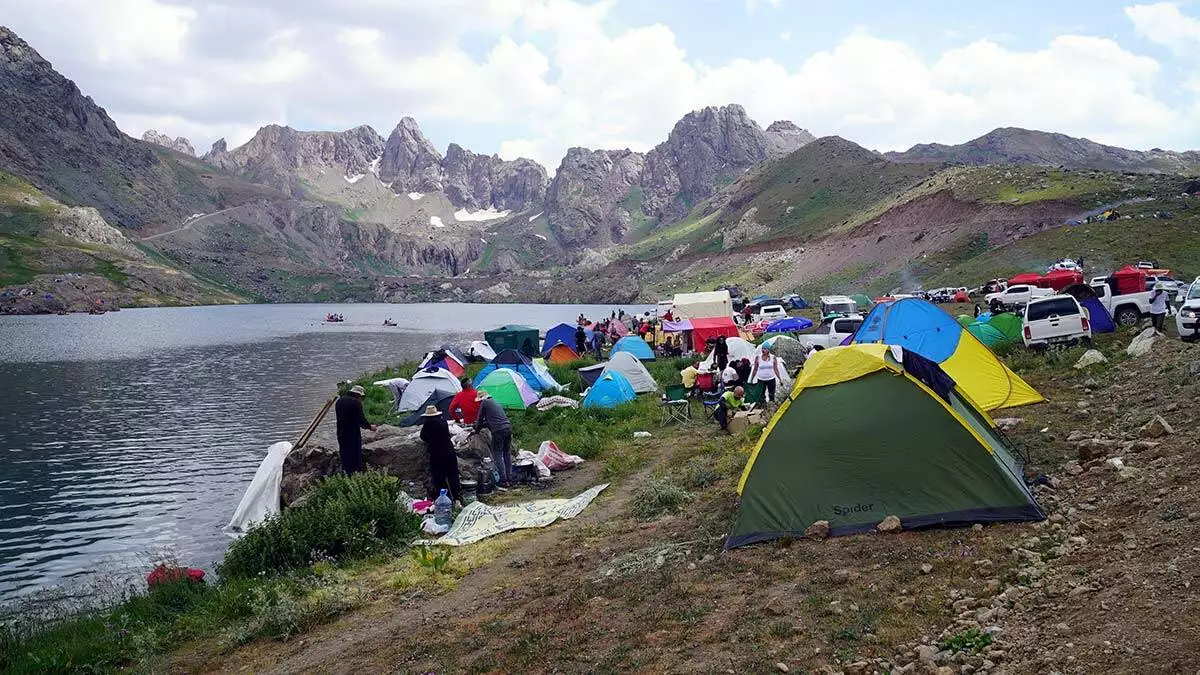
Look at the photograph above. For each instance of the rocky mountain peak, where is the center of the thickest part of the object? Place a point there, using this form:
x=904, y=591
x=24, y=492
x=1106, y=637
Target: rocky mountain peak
x=178, y=144
x=219, y=147
x=277, y=153
x=410, y=162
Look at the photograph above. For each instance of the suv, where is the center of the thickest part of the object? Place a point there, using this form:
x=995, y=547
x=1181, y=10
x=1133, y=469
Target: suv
x=771, y=313
x=831, y=332
x=837, y=304
x=1057, y=319
x=1187, y=319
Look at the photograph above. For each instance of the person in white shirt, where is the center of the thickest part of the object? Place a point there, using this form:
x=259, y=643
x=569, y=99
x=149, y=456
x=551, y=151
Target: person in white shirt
x=729, y=376
x=766, y=370
x=1158, y=306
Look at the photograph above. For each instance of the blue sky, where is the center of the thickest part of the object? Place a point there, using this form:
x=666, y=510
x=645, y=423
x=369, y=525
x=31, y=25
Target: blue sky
x=533, y=77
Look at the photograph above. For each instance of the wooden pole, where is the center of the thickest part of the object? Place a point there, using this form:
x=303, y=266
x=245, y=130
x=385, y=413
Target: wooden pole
x=312, y=426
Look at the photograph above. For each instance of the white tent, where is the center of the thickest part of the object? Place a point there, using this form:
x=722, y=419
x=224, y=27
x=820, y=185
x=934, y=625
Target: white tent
x=481, y=350
x=739, y=348
x=425, y=383
x=702, y=305
x=628, y=365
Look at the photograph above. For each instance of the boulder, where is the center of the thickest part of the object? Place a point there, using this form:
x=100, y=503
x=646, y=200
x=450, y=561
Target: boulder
x=1007, y=423
x=1142, y=344
x=1155, y=428
x=818, y=530
x=889, y=524
x=1090, y=358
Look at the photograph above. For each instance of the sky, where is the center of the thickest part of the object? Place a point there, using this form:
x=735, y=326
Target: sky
x=534, y=77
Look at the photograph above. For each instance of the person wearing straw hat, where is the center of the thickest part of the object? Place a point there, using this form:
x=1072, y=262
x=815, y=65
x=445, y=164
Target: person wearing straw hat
x=1158, y=306
x=351, y=420
x=492, y=416
x=443, y=463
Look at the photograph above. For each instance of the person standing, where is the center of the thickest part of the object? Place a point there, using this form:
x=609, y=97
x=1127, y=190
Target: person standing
x=464, y=409
x=721, y=353
x=443, y=463
x=492, y=417
x=351, y=420
x=730, y=402
x=1158, y=306
x=766, y=369
x=580, y=340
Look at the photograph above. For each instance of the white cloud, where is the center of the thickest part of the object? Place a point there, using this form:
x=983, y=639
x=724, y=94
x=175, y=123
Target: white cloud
x=1165, y=24
x=543, y=75
x=785, y=35
x=752, y=5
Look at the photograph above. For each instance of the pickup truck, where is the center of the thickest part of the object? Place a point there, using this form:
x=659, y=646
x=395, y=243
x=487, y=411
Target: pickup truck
x=831, y=332
x=1187, y=319
x=771, y=313
x=1126, y=309
x=1057, y=319
x=1017, y=295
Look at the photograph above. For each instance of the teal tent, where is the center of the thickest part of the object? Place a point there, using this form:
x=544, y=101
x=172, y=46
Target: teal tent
x=610, y=391
x=634, y=345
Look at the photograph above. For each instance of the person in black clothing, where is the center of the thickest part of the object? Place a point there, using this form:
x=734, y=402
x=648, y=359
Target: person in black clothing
x=721, y=353
x=443, y=463
x=580, y=340
x=742, y=366
x=351, y=420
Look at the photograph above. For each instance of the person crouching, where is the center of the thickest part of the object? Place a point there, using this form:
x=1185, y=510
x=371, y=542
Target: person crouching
x=731, y=401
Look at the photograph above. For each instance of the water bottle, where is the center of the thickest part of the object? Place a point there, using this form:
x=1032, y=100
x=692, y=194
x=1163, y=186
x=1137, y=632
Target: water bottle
x=441, y=509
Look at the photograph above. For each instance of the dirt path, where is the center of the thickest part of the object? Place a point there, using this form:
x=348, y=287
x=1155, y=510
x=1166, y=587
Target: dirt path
x=187, y=224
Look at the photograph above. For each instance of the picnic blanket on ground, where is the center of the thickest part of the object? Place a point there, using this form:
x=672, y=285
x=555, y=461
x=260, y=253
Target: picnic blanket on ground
x=479, y=521
x=548, y=402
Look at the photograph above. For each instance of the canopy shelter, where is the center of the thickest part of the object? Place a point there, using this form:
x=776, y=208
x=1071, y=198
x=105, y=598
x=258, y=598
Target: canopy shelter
x=1098, y=316
x=1128, y=279
x=635, y=373
x=610, y=390
x=710, y=328
x=792, y=324
x=679, y=326
x=1028, y=278
x=924, y=329
x=956, y=471
x=1060, y=279
x=426, y=383
x=634, y=345
x=509, y=389
x=702, y=305
x=561, y=353
x=519, y=338
x=563, y=333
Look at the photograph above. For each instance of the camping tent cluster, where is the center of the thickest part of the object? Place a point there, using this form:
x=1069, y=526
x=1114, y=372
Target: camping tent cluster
x=914, y=368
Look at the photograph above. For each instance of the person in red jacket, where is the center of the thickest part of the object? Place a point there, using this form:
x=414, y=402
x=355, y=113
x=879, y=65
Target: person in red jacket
x=464, y=409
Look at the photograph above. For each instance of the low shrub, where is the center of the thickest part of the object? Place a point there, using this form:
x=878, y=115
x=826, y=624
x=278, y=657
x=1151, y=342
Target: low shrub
x=657, y=497
x=344, y=517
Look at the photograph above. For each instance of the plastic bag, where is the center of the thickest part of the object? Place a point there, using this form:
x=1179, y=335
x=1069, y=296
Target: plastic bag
x=555, y=459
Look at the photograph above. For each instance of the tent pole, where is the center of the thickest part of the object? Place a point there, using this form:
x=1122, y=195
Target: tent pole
x=312, y=426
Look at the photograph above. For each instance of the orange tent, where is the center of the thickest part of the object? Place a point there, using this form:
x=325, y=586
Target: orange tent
x=561, y=353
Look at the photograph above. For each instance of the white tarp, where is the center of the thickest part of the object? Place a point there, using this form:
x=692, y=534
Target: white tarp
x=739, y=348
x=479, y=521
x=261, y=500
x=702, y=305
x=425, y=383
x=628, y=365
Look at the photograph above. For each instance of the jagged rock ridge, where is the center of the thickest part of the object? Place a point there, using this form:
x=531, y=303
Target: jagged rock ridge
x=178, y=144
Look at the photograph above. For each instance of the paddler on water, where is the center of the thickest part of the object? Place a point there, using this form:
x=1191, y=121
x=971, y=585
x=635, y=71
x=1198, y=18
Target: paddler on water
x=351, y=420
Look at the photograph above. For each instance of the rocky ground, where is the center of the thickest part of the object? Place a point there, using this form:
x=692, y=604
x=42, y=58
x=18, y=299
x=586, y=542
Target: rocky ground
x=1105, y=584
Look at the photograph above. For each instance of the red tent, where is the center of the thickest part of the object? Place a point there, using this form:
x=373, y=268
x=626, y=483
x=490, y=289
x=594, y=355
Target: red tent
x=704, y=329
x=1060, y=279
x=1029, y=278
x=1128, y=279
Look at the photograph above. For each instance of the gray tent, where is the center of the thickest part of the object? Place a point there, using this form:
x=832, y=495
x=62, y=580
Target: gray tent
x=628, y=365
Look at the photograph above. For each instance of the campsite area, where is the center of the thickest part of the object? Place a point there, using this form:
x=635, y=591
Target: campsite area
x=642, y=578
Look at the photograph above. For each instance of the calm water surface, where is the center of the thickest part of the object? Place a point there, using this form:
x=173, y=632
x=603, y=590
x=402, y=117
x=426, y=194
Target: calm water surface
x=133, y=433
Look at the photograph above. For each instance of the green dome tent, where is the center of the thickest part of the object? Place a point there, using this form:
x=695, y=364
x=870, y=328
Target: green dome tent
x=1010, y=325
x=509, y=389
x=987, y=334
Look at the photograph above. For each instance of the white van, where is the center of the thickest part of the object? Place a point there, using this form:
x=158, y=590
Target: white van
x=1055, y=320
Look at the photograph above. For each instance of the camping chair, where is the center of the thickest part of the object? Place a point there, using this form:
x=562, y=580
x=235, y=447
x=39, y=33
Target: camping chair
x=676, y=406
x=755, y=394
x=711, y=401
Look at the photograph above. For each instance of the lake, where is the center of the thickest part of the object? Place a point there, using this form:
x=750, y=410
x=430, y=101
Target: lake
x=129, y=434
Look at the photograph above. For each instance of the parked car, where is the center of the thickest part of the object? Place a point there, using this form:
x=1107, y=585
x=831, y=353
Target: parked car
x=1187, y=319
x=1054, y=320
x=831, y=332
x=1147, y=264
x=1125, y=309
x=771, y=313
x=837, y=304
x=940, y=295
x=1017, y=295
x=1174, y=286
x=1098, y=280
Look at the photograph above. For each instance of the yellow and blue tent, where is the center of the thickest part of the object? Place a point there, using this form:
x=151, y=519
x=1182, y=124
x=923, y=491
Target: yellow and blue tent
x=923, y=328
x=924, y=452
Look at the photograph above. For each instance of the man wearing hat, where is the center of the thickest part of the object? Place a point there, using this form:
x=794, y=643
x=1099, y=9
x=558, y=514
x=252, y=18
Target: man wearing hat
x=351, y=420
x=492, y=416
x=1158, y=306
x=443, y=463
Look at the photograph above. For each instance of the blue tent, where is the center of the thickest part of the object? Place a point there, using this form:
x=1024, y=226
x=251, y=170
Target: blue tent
x=592, y=373
x=563, y=332
x=538, y=379
x=1098, y=316
x=610, y=391
x=636, y=346
x=797, y=302
x=789, y=325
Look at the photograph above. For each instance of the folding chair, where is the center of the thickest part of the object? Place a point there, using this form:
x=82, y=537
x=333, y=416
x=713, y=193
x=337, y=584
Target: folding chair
x=676, y=406
x=711, y=401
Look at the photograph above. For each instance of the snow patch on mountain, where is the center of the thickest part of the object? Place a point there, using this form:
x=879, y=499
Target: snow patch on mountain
x=465, y=216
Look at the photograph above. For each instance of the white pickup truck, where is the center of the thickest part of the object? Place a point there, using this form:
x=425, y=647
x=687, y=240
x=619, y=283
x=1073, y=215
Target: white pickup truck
x=1018, y=295
x=1187, y=319
x=1057, y=319
x=831, y=332
x=1126, y=309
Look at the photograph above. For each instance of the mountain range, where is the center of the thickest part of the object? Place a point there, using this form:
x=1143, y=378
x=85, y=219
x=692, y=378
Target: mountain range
x=351, y=215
